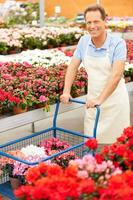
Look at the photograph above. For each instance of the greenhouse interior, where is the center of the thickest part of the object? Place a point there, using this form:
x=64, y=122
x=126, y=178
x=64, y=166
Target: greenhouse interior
x=66, y=100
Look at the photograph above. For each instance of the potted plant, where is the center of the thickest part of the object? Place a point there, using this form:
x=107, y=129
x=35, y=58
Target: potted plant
x=55, y=145
x=3, y=48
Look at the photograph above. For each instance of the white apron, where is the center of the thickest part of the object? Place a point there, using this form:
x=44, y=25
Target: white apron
x=115, y=112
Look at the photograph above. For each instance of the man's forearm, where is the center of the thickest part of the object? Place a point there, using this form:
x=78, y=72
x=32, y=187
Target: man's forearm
x=69, y=78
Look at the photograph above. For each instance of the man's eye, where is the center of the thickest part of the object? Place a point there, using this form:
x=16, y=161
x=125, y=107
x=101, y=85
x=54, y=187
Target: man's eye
x=96, y=22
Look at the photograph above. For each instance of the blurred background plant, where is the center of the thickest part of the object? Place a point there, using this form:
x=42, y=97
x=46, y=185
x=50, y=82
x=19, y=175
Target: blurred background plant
x=57, y=20
x=25, y=13
x=3, y=47
x=128, y=73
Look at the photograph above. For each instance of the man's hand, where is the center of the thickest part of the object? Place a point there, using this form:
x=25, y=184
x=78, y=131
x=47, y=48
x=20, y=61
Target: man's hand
x=93, y=102
x=64, y=98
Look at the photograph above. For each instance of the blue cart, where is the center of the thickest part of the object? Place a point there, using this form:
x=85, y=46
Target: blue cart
x=75, y=139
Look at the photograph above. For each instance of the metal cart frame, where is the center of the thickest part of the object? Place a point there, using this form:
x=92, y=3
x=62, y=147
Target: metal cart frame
x=5, y=188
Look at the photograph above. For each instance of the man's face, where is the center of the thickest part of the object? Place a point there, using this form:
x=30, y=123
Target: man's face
x=95, y=24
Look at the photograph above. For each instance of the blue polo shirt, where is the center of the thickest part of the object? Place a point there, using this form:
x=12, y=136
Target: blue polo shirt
x=115, y=45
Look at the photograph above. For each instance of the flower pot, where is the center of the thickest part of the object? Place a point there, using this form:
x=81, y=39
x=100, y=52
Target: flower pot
x=40, y=105
x=15, y=183
x=18, y=110
x=63, y=45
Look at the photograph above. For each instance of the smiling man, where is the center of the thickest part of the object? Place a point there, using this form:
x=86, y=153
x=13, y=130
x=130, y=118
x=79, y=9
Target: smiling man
x=103, y=56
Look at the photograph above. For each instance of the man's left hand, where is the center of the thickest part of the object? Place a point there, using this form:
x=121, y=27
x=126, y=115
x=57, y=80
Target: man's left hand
x=92, y=103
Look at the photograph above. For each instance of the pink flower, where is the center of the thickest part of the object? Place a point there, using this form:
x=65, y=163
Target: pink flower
x=27, y=65
x=7, y=76
x=42, y=98
x=82, y=174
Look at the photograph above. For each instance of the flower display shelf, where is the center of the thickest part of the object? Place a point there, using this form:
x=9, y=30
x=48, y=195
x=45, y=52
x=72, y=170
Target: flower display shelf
x=14, y=121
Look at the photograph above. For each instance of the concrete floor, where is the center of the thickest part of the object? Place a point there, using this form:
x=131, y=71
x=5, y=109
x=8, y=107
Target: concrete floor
x=72, y=120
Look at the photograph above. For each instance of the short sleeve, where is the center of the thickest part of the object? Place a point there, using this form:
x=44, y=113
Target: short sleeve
x=78, y=52
x=120, y=52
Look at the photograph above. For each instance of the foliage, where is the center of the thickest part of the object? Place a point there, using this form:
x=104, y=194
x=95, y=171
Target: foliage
x=32, y=43
x=25, y=14
x=27, y=85
x=18, y=39
x=3, y=48
x=129, y=73
x=56, y=20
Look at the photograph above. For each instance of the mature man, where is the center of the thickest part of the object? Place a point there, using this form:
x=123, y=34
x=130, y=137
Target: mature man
x=103, y=56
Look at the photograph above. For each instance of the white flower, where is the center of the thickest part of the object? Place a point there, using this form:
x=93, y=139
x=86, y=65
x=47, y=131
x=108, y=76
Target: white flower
x=32, y=150
x=128, y=65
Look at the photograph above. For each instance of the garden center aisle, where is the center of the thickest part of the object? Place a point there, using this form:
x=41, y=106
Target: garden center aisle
x=37, y=43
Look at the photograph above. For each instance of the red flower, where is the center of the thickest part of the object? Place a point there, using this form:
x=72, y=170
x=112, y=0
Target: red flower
x=99, y=158
x=120, y=187
x=33, y=174
x=91, y=143
x=130, y=142
x=24, y=191
x=116, y=164
x=129, y=132
x=43, y=168
x=71, y=171
x=57, y=185
x=105, y=150
x=87, y=186
x=41, y=191
x=121, y=139
x=120, y=150
x=54, y=170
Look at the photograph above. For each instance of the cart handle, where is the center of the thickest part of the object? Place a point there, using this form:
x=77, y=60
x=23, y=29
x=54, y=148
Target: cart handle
x=80, y=102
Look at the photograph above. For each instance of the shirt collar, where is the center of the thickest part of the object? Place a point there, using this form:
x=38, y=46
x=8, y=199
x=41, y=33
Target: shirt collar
x=105, y=45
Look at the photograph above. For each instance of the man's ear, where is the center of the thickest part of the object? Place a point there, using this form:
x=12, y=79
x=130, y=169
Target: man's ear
x=106, y=26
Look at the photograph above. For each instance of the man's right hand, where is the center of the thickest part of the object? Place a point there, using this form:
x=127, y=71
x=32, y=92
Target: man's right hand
x=64, y=98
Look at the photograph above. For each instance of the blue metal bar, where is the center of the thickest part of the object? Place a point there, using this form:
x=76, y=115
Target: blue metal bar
x=6, y=190
x=55, y=118
x=77, y=101
x=96, y=122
